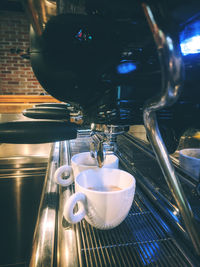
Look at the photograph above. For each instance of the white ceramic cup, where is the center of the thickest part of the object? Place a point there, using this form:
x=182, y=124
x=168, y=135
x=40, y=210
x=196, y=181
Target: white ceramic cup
x=80, y=162
x=190, y=160
x=102, y=209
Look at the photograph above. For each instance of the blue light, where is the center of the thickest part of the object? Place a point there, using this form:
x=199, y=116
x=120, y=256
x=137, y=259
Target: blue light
x=149, y=252
x=191, y=46
x=190, y=39
x=126, y=67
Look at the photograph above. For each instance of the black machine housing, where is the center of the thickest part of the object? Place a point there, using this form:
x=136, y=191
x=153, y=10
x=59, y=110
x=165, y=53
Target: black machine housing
x=105, y=62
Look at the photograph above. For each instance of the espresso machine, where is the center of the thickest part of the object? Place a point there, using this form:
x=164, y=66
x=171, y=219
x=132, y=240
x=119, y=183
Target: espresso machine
x=116, y=64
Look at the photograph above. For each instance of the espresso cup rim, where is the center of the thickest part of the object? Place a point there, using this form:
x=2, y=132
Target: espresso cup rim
x=108, y=192
x=82, y=165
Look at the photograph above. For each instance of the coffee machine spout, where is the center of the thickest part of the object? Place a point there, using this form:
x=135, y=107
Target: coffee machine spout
x=103, y=140
x=97, y=150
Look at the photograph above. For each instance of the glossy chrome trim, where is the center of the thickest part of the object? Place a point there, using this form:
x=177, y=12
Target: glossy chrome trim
x=172, y=77
x=97, y=150
x=103, y=140
x=44, y=236
x=66, y=241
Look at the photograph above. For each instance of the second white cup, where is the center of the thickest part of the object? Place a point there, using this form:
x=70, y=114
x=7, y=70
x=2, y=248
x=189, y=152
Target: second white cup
x=81, y=162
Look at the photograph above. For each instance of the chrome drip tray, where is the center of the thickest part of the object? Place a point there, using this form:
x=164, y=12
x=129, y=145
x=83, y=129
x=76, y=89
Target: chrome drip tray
x=22, y=175
x=22, y=166
x=143, y=239
x=139, y=241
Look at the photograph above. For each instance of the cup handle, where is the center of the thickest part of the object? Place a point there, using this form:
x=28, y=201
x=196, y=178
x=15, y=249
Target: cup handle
x=69, y=208
x=58, y=175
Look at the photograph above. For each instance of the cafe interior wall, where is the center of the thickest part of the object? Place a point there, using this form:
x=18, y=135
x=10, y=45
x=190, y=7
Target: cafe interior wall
x=16, y=75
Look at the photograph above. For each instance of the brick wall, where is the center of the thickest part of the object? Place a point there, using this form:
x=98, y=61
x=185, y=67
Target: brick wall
x=16, y=75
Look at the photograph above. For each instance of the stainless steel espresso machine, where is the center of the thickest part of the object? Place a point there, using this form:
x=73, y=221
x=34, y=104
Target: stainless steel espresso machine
x=117, y=66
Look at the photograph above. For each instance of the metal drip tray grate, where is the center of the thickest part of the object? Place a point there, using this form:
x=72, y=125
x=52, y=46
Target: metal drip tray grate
x=139, y=241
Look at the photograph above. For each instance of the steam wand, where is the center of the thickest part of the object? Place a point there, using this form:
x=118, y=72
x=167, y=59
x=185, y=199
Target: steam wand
x=172, y=77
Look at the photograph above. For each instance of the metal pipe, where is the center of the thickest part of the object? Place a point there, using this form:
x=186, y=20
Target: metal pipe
x=66, y=242
x=172, y=77
x=44, y=236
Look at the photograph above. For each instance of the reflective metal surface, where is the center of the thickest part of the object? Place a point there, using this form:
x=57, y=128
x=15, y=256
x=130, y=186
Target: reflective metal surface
x=21, y=161
x=66, y=238
x=44, y=236
x=21, y=183
x=97, y=150
x=103, y=140
x=35, y=151
x=172, y=75
x=108, y=129
x=139, y=241
x=143, y=239
x=135, y=154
